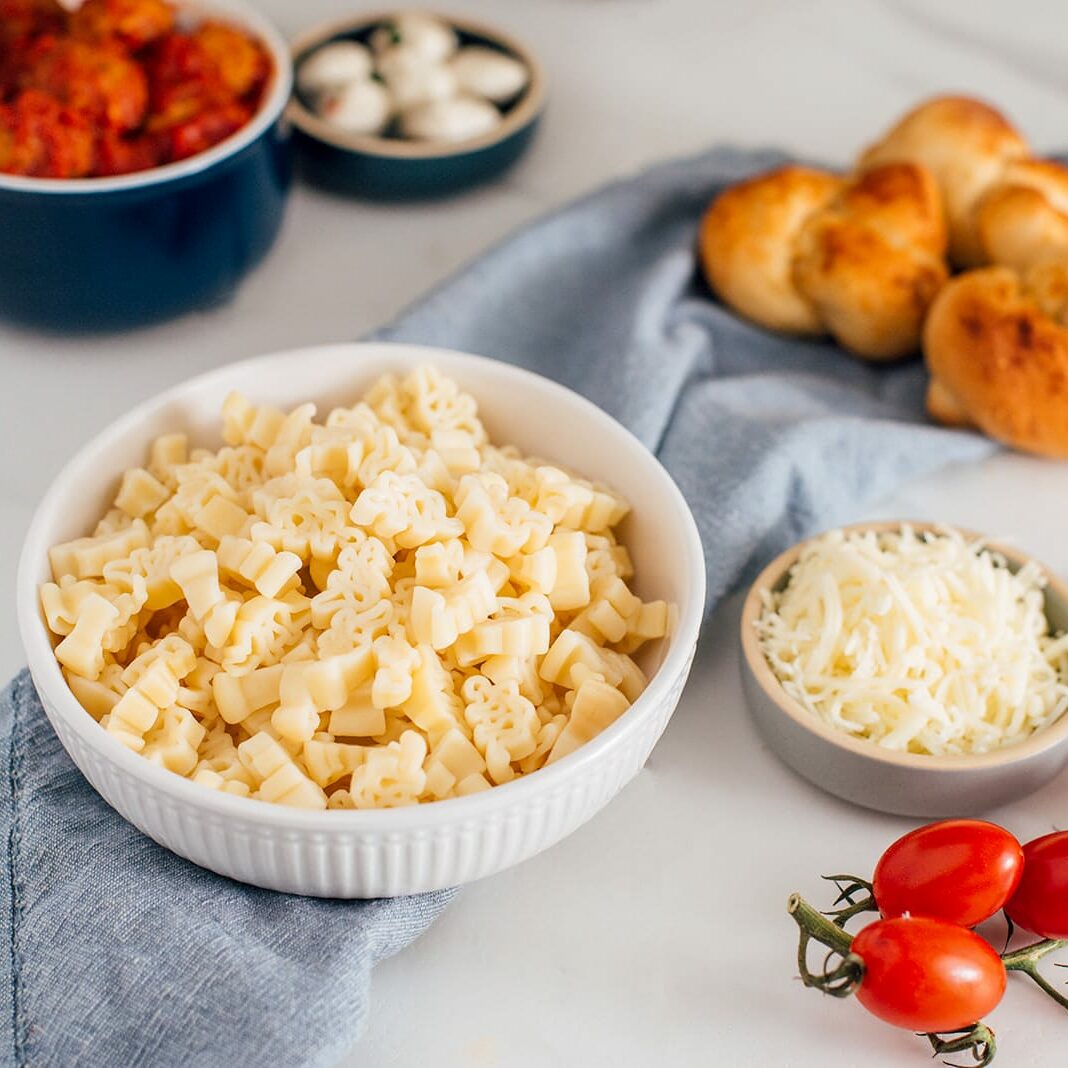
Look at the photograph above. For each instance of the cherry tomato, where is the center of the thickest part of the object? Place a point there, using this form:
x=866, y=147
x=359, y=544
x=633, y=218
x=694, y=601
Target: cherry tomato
x=961, y=871
x=1040, y=903
x=927, y=975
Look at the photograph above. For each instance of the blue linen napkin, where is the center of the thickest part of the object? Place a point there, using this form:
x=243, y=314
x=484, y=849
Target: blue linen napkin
x=120, y=953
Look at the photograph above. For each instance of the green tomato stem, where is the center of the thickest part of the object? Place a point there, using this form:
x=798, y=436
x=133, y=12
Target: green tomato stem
x=817, y=926
x=839, y=981
x=848, y=887
x=1026, y=960
x=979, y=1041
x=1018, y=959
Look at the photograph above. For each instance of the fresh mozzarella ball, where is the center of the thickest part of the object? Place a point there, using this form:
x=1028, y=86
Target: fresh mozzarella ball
x=457, y=119
x=486, y=72
x=360, y=107
x=430, y=37
x=333, y=65
x=413, y=79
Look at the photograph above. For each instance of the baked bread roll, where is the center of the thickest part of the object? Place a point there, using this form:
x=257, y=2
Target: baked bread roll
x=1022, y=221
x=996, y=344
x=967, y=145
x=747, y=244
x=1002, y=206
x=805, y=252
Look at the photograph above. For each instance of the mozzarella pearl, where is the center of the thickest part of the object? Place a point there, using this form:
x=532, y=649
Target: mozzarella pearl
x=459, y=118
x=333, y=65
x=430, y=37
x=486, y=72
x=412, y=79
x=360, y=107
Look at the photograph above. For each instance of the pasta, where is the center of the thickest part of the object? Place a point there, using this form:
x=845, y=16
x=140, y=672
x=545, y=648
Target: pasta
x=379, y=609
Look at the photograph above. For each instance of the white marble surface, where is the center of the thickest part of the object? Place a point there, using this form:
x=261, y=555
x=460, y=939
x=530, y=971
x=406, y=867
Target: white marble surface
x=656, y=934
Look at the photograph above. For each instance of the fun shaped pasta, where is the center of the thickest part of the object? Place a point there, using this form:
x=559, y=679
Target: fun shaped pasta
x=376, y=609
x=197, y=575
x=277, y=776
x=333, y=453
x=304, y=516
x=518, y=627
x=392, y=775
x=174, y=741
x=439, y=617
x=82, y=650
x=360, y=577
x=503, y=723
x=384, y=454
x=403, y=508
x=595, y=707
x=433, y=704
x=87, y=557
x=616, y=615
x=264, y=628
x=327, y=761
x=166, y=454
x=495, y=522
x=140, y=493
x=395, y=661
x=137, y=711
x=238, y=696
x=576, y=504
x=259, y=564
x=240, y=465
x=64, y=602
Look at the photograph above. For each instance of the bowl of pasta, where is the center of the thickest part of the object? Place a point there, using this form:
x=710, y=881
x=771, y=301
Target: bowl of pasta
x=350, y=622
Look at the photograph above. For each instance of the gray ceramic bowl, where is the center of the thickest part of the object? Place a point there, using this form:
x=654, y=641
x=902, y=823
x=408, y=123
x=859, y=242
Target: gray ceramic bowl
x=909, y=784
x=391, y=168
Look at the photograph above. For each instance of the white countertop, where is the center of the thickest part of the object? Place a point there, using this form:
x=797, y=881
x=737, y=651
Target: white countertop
x=657, y=933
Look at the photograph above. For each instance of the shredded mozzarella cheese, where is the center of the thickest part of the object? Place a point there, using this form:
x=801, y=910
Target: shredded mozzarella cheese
x=923, y=643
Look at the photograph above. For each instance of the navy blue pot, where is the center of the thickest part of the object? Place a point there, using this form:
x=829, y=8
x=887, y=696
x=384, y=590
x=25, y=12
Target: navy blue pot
x=109, y=253
x=389, y=168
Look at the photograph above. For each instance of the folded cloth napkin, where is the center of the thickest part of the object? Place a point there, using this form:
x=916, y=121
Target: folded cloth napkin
x=123, y=954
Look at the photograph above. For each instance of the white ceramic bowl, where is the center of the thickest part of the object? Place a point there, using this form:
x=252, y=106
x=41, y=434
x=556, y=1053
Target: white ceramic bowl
x=909, y=784
x=396, y=851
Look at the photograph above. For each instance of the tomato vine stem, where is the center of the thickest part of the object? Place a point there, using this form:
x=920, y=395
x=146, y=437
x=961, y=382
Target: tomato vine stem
x=1026, y=960
x=979, y=1041
x=839, y=981
x=848, y=886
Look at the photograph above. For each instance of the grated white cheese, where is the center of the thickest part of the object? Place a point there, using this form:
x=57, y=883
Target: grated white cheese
x=924, y=643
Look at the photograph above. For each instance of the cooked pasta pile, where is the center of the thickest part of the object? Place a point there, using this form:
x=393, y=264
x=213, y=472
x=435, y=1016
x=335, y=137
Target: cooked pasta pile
x=376, y=610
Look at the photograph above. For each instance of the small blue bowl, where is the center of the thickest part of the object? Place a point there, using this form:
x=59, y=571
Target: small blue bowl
x=391, y=168
x=110, y=253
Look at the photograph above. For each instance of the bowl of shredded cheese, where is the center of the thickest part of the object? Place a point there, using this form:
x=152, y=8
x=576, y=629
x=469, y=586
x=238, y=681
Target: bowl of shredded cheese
x=351, y=622
x=910, y=667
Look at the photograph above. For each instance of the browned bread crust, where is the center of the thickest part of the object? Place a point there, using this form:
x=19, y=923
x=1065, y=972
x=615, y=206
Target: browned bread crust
x=1022, y=221
x=873, y=260
x=747, y=245
x=996, y=344
x=966, y=144
x=806, y=252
